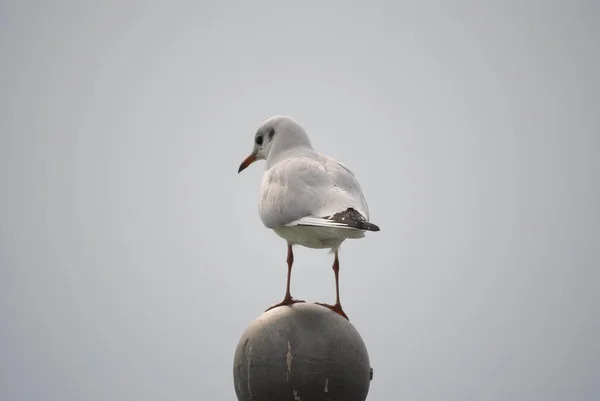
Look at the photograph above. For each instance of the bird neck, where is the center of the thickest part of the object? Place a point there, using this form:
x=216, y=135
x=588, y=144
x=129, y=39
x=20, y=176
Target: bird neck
x=293, y=140
x=294, y=151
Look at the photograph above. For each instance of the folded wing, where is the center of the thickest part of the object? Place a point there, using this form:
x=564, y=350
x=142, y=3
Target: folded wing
x=315, y=191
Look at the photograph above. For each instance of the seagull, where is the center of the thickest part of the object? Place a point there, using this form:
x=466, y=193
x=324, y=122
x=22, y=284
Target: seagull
x=307, y=198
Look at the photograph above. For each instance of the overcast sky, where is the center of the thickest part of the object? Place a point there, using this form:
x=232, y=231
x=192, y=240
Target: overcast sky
x=132, y=256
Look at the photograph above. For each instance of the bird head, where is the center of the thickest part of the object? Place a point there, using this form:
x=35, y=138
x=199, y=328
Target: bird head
x=275, y=135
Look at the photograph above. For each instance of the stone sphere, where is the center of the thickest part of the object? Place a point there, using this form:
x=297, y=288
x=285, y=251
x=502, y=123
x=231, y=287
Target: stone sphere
x=301, y=352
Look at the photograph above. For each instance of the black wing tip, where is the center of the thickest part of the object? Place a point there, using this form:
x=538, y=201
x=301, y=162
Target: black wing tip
x=371, y=227
x=354, y=219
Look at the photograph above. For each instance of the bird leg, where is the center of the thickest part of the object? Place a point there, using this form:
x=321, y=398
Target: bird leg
x=338, y=306
x=287, y=300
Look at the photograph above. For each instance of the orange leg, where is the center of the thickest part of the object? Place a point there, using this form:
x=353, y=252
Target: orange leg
x=338, y=306
x=287, y=300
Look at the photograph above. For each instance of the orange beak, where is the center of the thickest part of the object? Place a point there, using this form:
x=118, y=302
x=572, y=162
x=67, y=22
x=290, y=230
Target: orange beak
x=248, y=161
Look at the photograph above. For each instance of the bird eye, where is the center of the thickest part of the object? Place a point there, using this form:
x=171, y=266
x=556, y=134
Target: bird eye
x=259, y=140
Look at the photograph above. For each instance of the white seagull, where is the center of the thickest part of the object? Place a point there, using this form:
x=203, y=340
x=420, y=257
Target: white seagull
x=307, y=198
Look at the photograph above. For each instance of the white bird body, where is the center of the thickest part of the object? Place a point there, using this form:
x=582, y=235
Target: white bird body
x=300, y=191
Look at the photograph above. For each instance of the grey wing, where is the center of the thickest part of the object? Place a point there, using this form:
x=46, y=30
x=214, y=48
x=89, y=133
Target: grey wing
x=316, y=191
x=344, y=193
x=291, y=190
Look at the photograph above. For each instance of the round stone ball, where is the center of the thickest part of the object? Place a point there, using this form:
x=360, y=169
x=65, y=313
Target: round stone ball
x=302, y=352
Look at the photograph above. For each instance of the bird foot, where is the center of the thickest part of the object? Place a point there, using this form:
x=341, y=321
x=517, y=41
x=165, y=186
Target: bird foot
x=286, y=301
x=337, y=308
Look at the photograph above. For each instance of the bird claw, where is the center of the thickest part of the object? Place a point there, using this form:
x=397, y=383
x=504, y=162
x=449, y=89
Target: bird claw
x=337, y=308
x=286, y=301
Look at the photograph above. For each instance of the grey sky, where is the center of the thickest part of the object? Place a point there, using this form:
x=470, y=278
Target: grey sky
x=131, y=253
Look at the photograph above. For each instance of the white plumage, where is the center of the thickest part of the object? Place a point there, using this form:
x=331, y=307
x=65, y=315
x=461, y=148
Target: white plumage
x=304, y=190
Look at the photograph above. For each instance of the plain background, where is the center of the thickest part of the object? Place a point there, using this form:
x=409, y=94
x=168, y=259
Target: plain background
x=131, y=253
